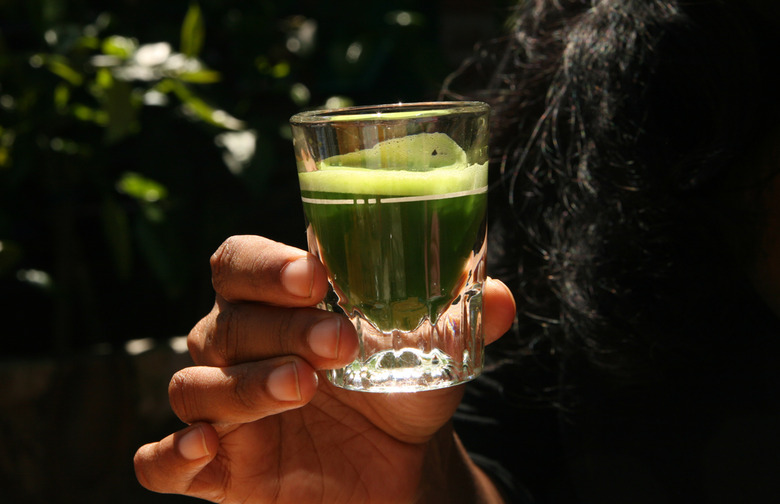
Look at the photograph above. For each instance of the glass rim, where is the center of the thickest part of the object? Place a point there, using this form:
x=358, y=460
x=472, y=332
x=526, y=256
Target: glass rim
x=389, y=111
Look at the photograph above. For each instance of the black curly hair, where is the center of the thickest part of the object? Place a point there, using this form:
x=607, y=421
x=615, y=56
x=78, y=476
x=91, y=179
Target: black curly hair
x=627, y=174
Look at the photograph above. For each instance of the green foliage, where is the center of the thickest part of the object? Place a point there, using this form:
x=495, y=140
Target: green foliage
x=193, y=32
x=136, y=136
x=79, y=206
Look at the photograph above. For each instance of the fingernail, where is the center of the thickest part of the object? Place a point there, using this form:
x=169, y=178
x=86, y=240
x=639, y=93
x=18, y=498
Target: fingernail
x=192, y=445
x=298, y=277
x=324, y=338
x=283, y=383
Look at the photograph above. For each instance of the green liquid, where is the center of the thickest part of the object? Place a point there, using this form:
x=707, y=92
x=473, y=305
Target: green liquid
x=396, y=243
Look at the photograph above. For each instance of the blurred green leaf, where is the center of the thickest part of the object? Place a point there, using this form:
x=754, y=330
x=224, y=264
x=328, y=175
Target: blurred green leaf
x=277, y=70
x=60, y=66
x=141, y=188
x=122, y=111
x=89, y=114
x=281, y=70
x=153, y=212
x=193, y=32
x=104, y=79
x=200, y=77
x=121, y=47
x=88, y=42
x=200, y=109
x=165, y=86
x=61, y=97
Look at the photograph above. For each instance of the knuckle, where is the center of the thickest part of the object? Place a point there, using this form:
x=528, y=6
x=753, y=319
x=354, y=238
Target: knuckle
x=223, y=341
x=195, y=347
x=199, y=336
x=149, y=464
x=220, y=261
x=181, y=403
x=139, y=465
x=244, y=391
x=284, y=324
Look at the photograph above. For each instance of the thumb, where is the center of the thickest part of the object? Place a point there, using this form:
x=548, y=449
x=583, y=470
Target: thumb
x=171, y=465
x=499, y=309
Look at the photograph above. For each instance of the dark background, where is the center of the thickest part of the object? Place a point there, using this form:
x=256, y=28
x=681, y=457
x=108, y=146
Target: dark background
x=116, y=187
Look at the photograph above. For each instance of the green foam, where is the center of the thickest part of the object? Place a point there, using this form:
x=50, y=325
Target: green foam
x=426, y=163
x=394, y=182
x=423, y=151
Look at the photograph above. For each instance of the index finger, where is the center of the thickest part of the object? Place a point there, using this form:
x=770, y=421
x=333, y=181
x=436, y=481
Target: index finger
x=253, y=268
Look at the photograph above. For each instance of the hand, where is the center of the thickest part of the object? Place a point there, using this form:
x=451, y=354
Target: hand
x=264, y=428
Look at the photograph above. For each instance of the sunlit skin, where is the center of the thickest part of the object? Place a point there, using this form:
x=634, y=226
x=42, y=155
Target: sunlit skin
x=264, y=427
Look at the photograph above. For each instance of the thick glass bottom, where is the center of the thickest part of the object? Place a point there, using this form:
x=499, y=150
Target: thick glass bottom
x=407, y=370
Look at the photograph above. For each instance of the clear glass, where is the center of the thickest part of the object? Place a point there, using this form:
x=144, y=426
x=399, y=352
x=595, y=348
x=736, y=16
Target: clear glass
x=395, y=199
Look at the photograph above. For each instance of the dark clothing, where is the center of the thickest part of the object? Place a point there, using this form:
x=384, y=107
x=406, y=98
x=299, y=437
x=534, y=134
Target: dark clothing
x=708, y=434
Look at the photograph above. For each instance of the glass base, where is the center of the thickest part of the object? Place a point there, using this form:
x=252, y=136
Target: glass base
x=406, y=370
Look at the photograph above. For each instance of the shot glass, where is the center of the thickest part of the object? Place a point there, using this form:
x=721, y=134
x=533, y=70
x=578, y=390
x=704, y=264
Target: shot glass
x=395, y=201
